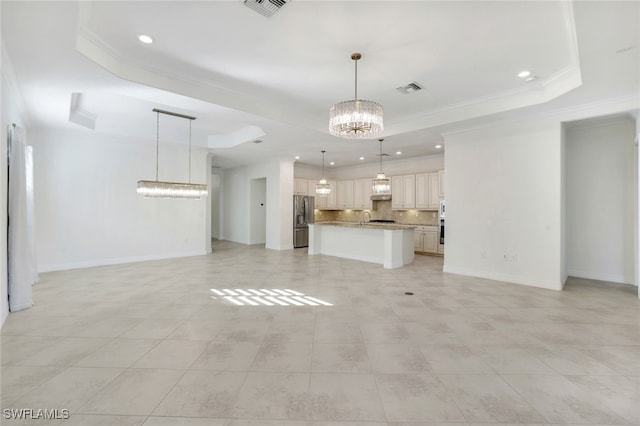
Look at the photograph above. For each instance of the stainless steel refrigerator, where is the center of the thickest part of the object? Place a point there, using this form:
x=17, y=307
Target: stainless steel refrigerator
x=302, y=217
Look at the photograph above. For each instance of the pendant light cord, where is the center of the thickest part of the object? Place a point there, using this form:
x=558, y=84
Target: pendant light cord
x=380, y=155
x=157, y=141
x=189, y=151
x=356, y=90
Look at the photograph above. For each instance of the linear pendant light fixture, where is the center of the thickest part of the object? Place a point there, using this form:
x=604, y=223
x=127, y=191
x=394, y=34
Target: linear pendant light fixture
x=322, y=187
x=381, y=184
x=356, y=119
x=159, y=189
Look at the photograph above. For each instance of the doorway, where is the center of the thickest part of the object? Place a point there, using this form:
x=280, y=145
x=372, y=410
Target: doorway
x=601, y=197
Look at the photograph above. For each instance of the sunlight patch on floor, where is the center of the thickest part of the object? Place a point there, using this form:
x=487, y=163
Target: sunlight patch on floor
x=266, y=297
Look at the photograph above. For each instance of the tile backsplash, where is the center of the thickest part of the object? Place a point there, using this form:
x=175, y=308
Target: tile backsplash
x=381, y=210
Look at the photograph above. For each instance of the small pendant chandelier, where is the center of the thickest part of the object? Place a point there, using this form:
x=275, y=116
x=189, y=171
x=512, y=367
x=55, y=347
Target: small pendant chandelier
x=159, y=189
x=381, y=184
x=322, y=187
x=356, y=119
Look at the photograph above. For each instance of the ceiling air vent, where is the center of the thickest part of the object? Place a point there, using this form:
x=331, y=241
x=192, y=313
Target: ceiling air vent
x=265, y=7
x=409, y=88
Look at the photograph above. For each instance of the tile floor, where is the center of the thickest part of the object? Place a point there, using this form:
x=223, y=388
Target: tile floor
x=150, y=344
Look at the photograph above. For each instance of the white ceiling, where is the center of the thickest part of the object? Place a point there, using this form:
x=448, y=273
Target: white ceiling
x=246, y=77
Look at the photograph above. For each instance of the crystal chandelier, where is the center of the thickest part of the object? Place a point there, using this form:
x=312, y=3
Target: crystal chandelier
x=322, y=187
x=159, y=189
x=356, y=119
x=381, y=184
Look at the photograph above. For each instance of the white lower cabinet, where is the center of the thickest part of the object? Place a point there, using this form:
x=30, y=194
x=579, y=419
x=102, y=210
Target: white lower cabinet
x=426, y=239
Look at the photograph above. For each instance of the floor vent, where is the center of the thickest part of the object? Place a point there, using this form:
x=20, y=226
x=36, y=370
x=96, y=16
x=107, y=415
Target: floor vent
x=265, y=7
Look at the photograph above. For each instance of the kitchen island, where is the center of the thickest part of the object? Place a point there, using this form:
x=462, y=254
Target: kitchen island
x=387, y=244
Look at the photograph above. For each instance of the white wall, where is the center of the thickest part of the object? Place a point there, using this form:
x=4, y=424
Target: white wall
x=600, y=199
x=12, y=110
x=637, y=203
x=214, y=198
x=87, y=209
x=504, y=198
x=279, y=203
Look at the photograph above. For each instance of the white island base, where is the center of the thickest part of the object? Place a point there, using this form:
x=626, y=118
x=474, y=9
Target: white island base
x=390, y=246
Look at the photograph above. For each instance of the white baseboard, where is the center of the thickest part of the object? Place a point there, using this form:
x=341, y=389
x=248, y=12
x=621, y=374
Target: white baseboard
x=509, y=278
x=4, y=314
x=115, y=261
x=614, y=278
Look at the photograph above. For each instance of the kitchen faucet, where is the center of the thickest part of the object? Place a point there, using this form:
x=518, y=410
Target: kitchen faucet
x=362, y=222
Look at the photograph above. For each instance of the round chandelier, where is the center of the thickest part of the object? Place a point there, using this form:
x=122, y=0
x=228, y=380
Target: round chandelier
x=356, y=119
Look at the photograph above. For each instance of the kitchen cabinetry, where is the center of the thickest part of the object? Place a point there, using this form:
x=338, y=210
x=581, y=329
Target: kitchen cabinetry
x=328, y=202
x=362, y=191
x=403, y=192
x=344, y=194
x=429, y=190
x=300, y=186
x=426, y=239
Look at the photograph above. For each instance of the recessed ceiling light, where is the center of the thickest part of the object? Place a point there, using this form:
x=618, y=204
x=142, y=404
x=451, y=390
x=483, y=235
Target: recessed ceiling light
x=145, y=39
x=362, y=158
x=438, y=146
x=524, y=73
x=398, y=152
x=297, y=157
x=333, y=163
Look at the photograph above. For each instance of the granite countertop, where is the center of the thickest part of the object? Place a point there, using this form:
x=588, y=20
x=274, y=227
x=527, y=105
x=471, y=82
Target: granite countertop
x=368, y=225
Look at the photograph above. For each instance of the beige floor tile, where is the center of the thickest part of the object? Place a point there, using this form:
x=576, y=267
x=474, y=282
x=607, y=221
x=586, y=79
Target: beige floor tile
x=345, y=397
x=227, y=356
x=64, y=351
x=103, y=420
x=16, y=380
x=397, y=358
x=273, y=396
x=560, y=401
x=172, y=354
x=185, y=421
x=152, y=329
x=113, y=316
x=619, y=393
x=202, y=394
x=487, y=398
x=416, y=397
x=135, y=392
x=283, y=357
x=69, y=389
x=454, y=359
x=119, y=352
x=340, y=358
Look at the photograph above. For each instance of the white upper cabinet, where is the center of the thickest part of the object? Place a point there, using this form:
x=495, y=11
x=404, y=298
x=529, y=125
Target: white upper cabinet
x=403, y=192
x=300, y=186
x=328, y=202
x=362, y=191
x=429, y=190
x=344, y=194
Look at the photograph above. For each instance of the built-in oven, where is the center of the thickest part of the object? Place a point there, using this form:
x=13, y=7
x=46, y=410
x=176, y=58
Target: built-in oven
x=442, y=212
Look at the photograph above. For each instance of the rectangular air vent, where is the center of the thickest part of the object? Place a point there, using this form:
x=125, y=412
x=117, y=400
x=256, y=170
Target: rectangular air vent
x=265, y=7
x=409, y=88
